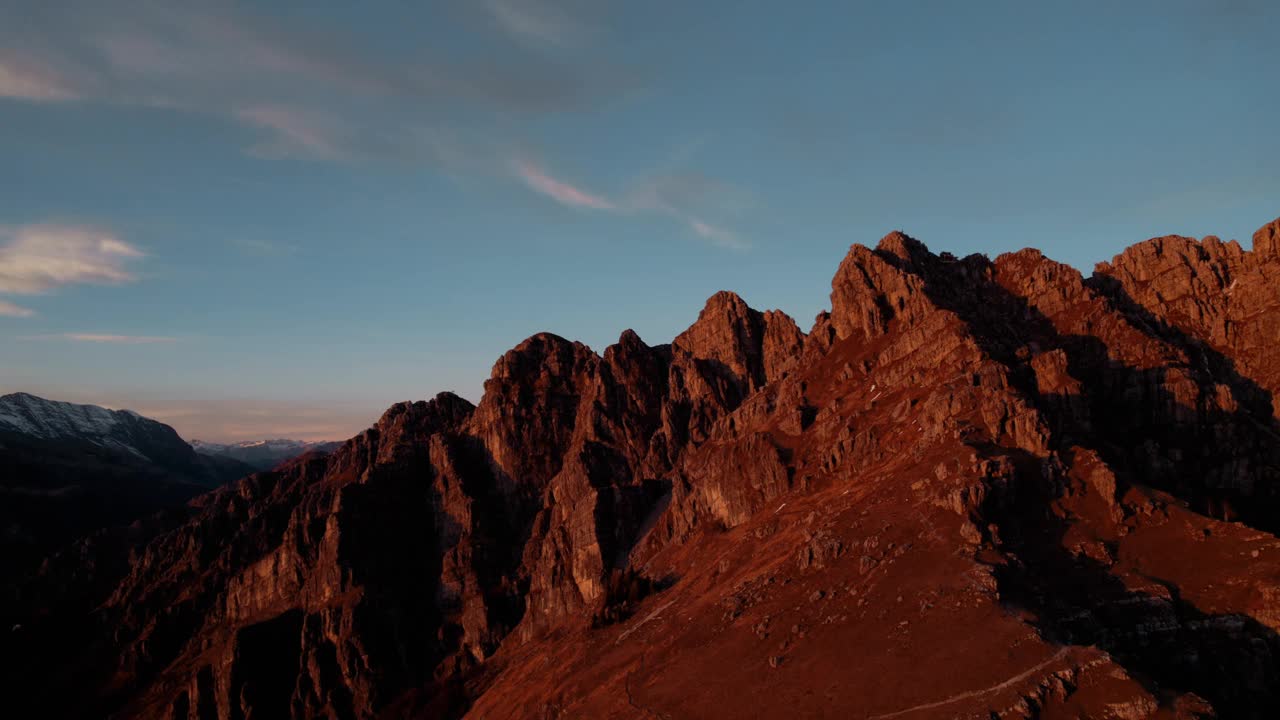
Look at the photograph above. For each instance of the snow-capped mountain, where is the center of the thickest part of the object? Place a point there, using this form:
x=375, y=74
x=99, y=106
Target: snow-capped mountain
x=121, y=431
x=67, y=470
x=263, y=454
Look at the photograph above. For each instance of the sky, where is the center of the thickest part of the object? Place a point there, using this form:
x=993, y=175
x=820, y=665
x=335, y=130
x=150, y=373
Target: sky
x=276, y=219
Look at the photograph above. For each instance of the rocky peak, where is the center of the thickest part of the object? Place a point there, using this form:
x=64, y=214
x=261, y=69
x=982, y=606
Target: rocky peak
x=414, y=422
x=1206, y=291
x=631, y=353
x=748, y=344
x=726, y=329
x=531, y=400
x=871, y=287
x=639, y=370
x=629, y=341
x=902, y=246
x=1266, y=241
x=1027, y=273
x=1144, y=261
x=541, y=354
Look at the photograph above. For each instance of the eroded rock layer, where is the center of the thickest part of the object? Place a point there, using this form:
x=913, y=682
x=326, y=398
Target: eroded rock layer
x=974, y=488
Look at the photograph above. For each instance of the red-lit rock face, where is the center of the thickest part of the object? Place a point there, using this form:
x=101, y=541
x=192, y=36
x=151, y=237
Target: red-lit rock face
x=975, y=488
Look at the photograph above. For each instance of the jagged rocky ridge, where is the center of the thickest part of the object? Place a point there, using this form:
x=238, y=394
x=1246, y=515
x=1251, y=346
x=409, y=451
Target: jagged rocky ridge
x=973, y=488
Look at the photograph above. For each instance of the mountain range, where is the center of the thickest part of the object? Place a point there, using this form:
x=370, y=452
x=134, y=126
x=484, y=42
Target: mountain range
x=263, y=454
x=974, y=488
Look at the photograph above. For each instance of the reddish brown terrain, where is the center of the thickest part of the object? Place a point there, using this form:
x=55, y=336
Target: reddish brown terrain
x=975, y=488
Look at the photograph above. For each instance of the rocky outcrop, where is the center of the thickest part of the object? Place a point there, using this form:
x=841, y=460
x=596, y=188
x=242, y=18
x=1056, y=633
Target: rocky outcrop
x=1073, y=479
x=752, y=346
x=1214, y=297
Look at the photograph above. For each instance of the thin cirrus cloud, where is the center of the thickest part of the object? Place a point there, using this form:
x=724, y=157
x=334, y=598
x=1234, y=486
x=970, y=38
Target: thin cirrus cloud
x=320, y=94
x=667, y=196
x=294, y=133
x=716, y=235
x=107, y=338
x=559, y=190
x=8, y=309
x=22, y=79
x=314, y=93
x=311, y=91
x=538, y=22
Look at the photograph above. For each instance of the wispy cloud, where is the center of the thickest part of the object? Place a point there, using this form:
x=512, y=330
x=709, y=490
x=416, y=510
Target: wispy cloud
x=675, y=197
x=537, y=22
x=40, y=258
x=559, y=190
x=688, y=193
x=717, y=236
x=8, y=309
x=690, y=198
x=293, y=133
x=319, y=91
x=105, y=338
x=27, y=79
x=314, y=93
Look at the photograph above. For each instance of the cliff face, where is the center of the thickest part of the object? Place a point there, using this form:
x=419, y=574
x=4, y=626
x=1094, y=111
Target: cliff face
x=974, y=487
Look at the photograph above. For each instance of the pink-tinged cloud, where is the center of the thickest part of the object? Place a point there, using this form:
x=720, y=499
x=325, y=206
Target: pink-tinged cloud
x=27, y=80
x=40, y=258
x=8, y=309
x=560, y=191
x=105, y=338
x=644, y=201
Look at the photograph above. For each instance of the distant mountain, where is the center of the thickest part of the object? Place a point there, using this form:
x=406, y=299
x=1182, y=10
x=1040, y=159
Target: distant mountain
x=67, y=470
x=263, y=454
x=122, y=431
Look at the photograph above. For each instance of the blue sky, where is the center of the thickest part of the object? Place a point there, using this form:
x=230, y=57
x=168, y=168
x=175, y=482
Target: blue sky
x=250, y=220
